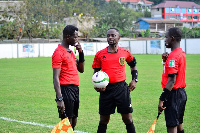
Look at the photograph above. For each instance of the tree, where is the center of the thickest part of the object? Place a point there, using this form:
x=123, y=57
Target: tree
x=45, y=18
x=147, y=14
x=114, y=15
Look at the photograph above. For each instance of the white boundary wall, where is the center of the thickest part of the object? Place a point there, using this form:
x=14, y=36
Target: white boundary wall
x=190, y=46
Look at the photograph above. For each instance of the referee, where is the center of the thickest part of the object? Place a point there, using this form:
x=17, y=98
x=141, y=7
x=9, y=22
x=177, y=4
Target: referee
x=117, y=94
x=65, y=75
x=173, y=98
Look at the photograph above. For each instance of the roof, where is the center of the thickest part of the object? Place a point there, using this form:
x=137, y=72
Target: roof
x=134, y=1
x=175, y=4
x=151, y=21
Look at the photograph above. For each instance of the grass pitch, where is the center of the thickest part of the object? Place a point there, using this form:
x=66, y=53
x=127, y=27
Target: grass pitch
x=27, y=94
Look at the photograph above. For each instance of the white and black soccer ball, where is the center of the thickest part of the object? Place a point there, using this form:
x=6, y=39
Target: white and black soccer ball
x=100, y=79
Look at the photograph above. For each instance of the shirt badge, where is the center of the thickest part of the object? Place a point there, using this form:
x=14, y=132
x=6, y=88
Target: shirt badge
x=122, y=60
x=172, y=63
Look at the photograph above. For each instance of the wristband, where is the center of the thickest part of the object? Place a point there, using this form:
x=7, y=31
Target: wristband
x=134, y=74
x=81, y=57
x=164, y=95
x=59, y=99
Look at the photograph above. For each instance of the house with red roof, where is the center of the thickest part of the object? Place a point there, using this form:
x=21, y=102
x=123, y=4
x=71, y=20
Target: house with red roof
x=136, y=5
x=184, y=11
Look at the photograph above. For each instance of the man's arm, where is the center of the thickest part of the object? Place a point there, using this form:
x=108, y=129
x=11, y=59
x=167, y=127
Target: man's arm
x=56, y=74
x=134, y=74
x=170, y=83
x=80, y=64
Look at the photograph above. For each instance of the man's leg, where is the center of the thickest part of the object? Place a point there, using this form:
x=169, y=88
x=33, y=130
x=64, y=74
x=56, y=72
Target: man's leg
x=180, y=128
x=172, y=129
x=104, y=119
x=128, y=121
x=74, y=121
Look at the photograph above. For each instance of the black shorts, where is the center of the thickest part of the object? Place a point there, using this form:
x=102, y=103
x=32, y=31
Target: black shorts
x=175, y=107
x=70, y=95
x=115, y=95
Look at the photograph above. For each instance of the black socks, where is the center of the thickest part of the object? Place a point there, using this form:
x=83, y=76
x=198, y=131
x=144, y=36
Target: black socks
x=130, y=128
x=102, y=128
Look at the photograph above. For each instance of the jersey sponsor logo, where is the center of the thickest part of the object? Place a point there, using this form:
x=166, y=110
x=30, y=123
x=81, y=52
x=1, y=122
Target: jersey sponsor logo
x=172, y=63
x=122, y=60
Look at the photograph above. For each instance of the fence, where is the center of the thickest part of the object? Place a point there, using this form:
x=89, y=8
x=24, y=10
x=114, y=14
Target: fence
x=190, y=46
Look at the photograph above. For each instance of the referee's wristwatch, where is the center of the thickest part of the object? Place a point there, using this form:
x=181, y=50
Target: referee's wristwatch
x=136, y=80
x=59, y=99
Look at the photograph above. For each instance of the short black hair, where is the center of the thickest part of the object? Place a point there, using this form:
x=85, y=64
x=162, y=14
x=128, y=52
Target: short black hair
x=115, y=30
x=69, y=30
x=176, y=33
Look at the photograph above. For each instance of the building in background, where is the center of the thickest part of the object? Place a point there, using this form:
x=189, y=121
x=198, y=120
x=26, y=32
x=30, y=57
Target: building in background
x=156, y=25
x=136, y=5
x=11, y=7
x=184, y=11
x=83, y=23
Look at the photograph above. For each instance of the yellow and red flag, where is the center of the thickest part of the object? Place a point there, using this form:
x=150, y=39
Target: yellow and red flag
x=153, y=126
x=63, y=127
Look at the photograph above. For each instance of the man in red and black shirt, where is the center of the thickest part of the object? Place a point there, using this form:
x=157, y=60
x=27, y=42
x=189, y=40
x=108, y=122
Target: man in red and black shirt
x=173, y=98
x=65, y=74
x=112, y=60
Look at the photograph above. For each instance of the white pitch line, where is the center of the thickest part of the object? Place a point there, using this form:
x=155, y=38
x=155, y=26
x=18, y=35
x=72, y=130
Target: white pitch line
x=33, y=123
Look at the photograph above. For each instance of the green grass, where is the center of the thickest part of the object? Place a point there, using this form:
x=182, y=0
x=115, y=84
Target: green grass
x=27, y=94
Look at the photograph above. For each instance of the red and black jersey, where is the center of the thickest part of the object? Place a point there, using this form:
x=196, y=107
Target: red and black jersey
x=113, y=63
x=176, y=63
x=67, y=63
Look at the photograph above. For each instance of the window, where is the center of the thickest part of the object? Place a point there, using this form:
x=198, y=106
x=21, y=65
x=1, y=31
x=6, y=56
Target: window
x=172, y=10
x=189, y=17
x=195, y=11
x=167, y=10
x=158, y=9
x=183, y=10
x=167, y=17
x=178, y=10
x=189, y=10
x=172, y=16
x=178, y=17
x=194, y=17
x=163, y=10
x=184, y=17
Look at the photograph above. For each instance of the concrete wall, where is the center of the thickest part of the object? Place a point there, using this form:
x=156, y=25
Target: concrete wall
x=155, y=13
x=190, y=46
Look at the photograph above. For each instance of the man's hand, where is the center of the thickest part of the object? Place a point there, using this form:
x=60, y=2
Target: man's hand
x=100, y=89
x=61, y=106
x=132, y=85
x=164, y=56
x=78, y=47
x=160, y=106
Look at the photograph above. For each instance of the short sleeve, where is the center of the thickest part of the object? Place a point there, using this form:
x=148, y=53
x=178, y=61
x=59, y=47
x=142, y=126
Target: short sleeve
x=172, y=66
x=56, y=60
x=96, y=62
x=129, y=57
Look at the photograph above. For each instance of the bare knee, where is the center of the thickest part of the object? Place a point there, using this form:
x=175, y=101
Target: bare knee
x=104, y=119
x=172, y=129
x=180, y=128
x=127, y=118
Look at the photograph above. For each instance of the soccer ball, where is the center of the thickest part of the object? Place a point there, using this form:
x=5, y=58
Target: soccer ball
x=100, y=79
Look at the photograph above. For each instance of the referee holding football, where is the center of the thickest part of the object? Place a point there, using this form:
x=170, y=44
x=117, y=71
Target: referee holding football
x=65, y=75
x=173, y=98
x=112, y=60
